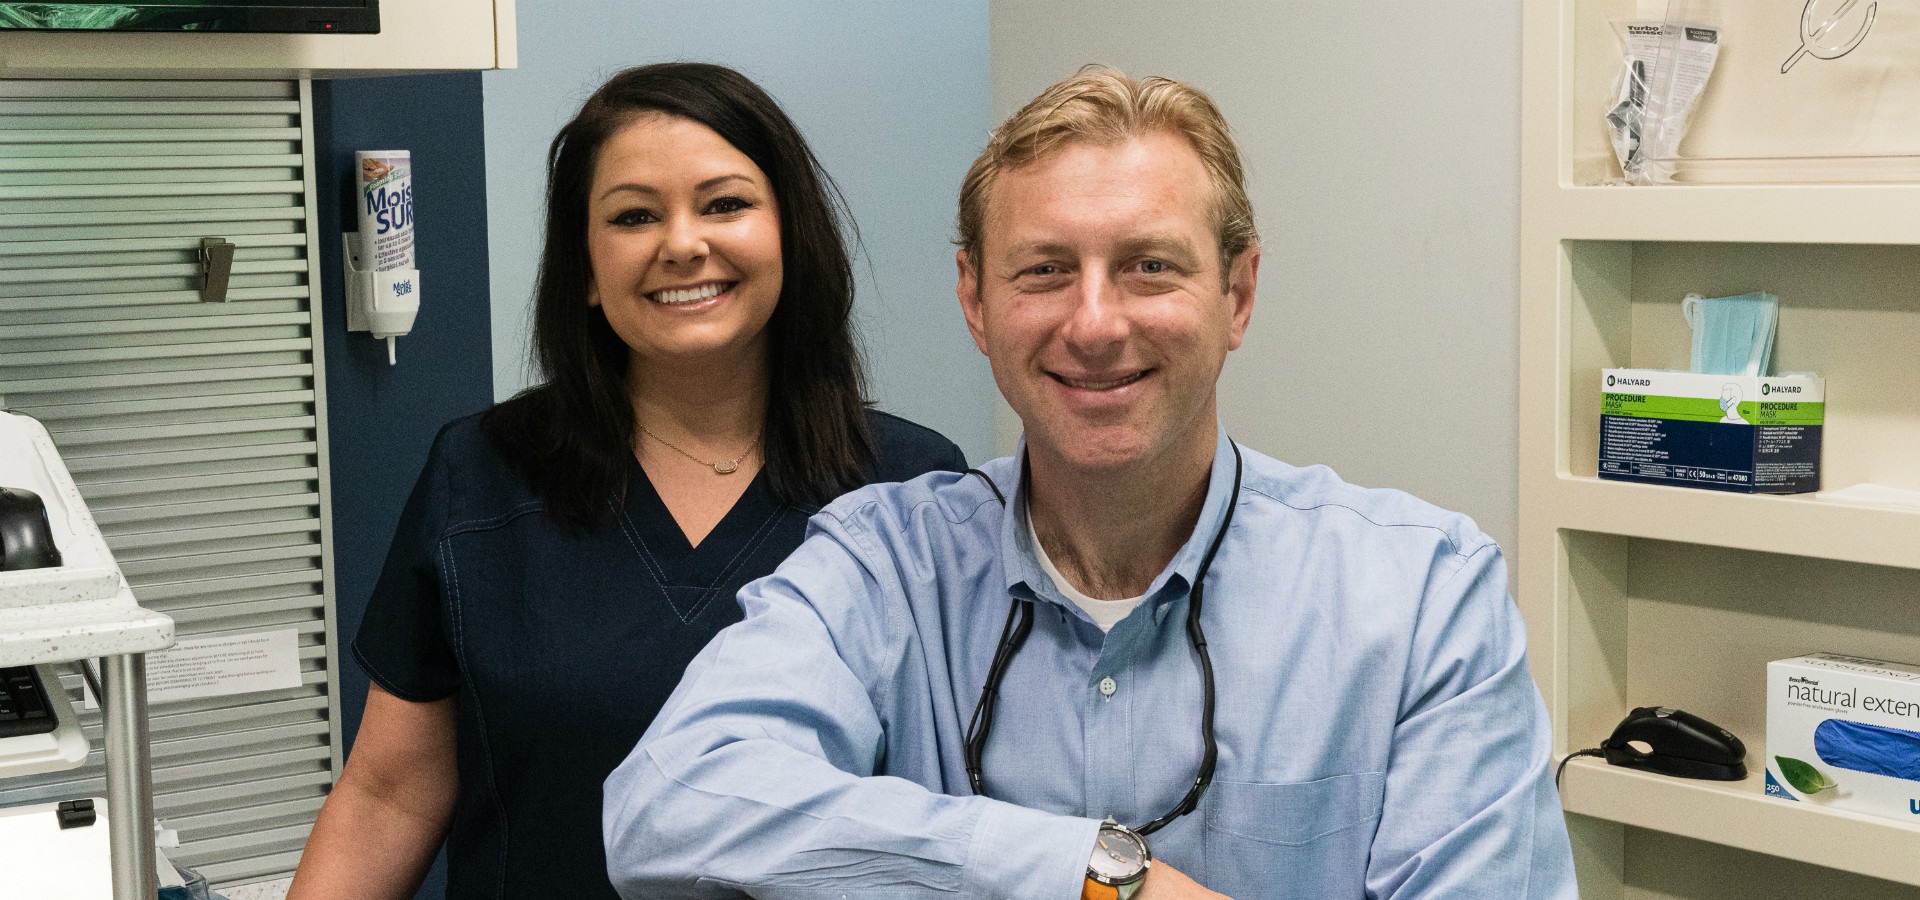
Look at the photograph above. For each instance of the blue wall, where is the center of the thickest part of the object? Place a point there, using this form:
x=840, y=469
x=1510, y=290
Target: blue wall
x=894, y=99
x=382, y=419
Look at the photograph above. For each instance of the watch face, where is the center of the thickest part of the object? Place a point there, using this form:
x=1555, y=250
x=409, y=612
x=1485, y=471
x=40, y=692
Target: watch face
x=1118, y=855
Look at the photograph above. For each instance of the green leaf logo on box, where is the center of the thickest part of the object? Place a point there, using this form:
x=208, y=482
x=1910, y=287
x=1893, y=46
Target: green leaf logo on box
x=1805, y=778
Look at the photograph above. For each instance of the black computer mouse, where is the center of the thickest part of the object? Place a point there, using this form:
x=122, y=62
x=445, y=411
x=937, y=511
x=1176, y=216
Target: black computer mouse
x=26, y=536
x=1676, y=742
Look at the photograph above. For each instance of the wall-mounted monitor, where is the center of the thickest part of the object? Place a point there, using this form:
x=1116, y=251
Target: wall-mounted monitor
x=279, y=16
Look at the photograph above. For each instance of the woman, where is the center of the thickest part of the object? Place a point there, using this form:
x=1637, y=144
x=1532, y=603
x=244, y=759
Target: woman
x=566, y=554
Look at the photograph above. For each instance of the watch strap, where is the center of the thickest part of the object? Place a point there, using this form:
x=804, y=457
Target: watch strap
x=1094, y=890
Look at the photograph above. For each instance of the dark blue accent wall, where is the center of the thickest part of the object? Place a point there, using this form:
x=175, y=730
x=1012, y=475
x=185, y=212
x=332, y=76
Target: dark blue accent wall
x=382, y=419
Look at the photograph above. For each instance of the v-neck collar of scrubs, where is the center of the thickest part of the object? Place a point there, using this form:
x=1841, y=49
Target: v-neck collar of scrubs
x=676, y=562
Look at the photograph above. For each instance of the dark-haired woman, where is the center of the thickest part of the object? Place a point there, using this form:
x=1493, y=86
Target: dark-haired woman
x=566, y=554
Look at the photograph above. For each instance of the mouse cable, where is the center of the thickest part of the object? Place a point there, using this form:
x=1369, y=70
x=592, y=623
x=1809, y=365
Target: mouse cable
x=1594, y=751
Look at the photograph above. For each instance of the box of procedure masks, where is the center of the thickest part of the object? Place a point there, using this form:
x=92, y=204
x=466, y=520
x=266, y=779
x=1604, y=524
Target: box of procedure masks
x=1844, y=732
x=1752, y=434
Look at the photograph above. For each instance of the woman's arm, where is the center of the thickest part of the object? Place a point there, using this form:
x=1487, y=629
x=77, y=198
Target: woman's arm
x=383, y=821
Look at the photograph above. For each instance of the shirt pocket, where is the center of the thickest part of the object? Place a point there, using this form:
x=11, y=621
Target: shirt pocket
x=1300, y=839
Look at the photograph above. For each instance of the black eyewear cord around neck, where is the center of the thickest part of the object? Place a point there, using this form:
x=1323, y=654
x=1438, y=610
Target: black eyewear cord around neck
x=1020, y=623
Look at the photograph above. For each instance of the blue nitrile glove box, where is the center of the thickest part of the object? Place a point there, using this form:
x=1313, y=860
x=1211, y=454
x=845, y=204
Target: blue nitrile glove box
x=1843, y=732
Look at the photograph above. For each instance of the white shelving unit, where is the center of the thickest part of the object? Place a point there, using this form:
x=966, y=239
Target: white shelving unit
x=1639, y=595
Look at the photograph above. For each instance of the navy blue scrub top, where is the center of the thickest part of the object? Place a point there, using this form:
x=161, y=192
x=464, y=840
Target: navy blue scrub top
x=562, y=645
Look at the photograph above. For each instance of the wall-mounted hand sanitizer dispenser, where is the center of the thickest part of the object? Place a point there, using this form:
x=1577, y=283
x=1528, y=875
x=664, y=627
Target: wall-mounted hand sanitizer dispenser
x=383, y=282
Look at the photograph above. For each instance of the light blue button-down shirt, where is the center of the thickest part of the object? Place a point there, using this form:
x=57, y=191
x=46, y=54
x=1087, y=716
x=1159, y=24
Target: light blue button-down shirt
x=1379, y=735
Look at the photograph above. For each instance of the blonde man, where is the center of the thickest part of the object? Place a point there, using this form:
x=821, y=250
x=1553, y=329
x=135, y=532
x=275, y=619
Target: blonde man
x=1134, y=660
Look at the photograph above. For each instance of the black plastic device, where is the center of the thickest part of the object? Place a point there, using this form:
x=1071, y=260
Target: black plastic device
x=26, y=536
x=1675, y=742
x=76, y=814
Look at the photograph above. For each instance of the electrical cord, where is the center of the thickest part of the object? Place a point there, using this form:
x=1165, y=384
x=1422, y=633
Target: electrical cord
x=92, y=678
x=1592, y=751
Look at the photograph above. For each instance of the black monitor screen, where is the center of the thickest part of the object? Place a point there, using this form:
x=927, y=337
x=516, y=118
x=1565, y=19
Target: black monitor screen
x=283, y=16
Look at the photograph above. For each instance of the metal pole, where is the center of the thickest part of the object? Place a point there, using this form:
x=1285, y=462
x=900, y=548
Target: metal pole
x=129, y=789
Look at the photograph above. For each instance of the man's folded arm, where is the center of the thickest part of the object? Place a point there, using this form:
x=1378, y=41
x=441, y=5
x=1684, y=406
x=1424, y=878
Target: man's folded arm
x=1470, y=807
x=757, y=777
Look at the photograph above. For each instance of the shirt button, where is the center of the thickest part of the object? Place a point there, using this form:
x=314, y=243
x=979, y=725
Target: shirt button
x=1108, y=686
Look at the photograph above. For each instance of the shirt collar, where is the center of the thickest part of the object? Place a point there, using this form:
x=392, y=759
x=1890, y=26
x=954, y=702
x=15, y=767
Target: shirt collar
x=1025, y=577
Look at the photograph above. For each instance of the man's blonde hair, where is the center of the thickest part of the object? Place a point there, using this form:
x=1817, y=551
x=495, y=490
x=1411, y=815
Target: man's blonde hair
x=1102, y=106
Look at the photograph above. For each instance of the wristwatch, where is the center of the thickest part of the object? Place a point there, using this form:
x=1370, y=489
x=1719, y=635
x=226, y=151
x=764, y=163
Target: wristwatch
x=1119, y=863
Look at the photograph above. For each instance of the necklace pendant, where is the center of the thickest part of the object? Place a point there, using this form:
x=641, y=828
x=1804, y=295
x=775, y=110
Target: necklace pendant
x=726, y=467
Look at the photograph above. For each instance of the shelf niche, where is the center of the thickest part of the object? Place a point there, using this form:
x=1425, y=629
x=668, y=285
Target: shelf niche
x=1848, y=312
x=1669, y=867
x=1829, y=121
x=1663, y=623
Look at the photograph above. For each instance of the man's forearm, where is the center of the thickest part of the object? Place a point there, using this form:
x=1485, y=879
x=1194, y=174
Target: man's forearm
x=759, y=815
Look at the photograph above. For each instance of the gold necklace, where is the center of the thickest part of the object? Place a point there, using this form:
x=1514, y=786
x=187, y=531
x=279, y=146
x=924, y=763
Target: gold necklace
x=719, y=466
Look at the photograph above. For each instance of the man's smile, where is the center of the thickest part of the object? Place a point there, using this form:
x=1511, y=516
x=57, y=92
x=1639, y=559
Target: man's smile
x=1100, y=381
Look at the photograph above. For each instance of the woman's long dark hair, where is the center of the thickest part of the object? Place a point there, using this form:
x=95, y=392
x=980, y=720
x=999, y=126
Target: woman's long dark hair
x=571, y=436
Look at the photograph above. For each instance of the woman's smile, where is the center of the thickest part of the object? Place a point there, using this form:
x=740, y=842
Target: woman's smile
x=686, y=296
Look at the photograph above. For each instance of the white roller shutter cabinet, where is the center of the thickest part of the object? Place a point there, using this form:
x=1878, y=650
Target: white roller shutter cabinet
x=197, y=431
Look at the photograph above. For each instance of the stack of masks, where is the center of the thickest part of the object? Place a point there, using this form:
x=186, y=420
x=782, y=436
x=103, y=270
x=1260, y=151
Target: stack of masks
x=1732, y=335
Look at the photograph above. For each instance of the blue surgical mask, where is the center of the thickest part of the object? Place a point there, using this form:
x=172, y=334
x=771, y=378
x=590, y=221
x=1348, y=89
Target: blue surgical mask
x=1732, y=335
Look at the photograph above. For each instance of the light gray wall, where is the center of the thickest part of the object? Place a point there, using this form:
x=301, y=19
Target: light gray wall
x=893, y=97
x=1382, y=144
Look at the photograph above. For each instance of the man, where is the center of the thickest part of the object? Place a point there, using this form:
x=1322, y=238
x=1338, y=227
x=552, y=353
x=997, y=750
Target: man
x=954, y=681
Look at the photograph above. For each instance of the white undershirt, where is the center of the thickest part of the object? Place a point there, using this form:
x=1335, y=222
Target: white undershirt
x=1105, y=613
